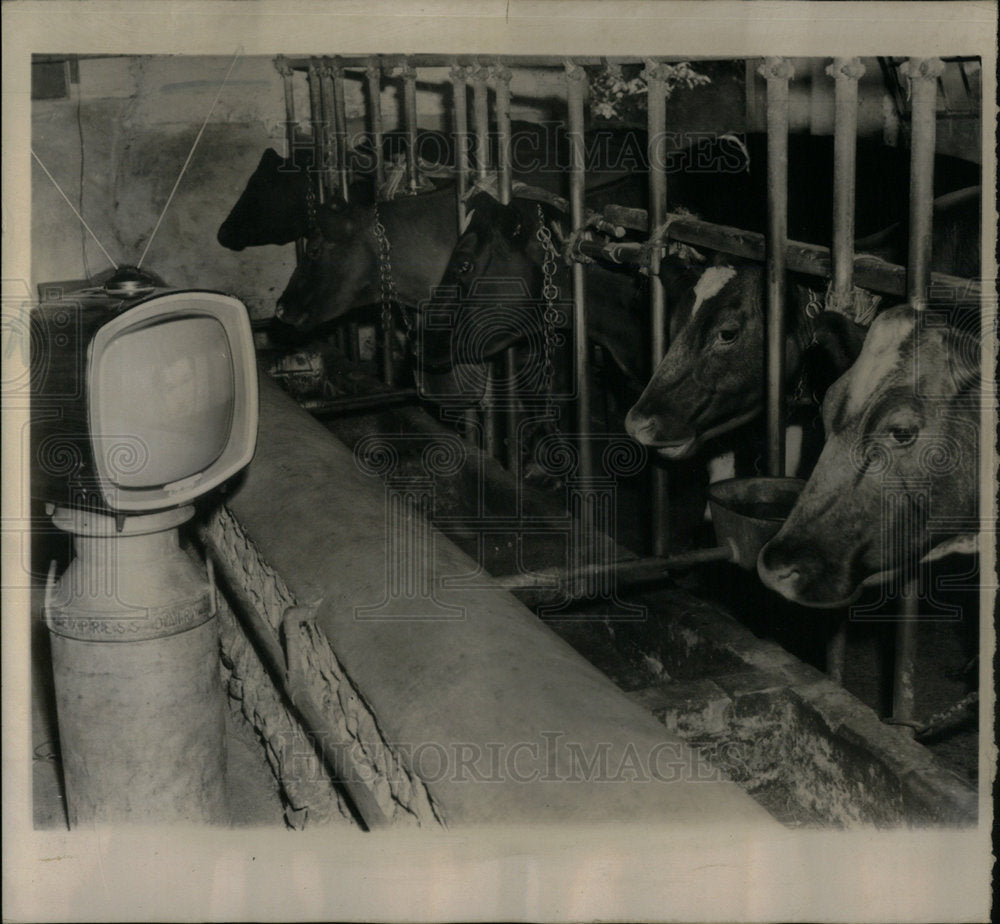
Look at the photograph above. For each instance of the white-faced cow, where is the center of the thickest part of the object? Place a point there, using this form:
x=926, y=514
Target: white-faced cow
x=899, y=470
x=712, y=377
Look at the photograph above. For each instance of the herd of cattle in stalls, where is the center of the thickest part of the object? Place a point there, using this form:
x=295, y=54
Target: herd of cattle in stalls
x=898, y=383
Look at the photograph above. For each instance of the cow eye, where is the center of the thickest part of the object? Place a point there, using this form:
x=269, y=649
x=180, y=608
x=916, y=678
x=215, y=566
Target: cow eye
x=728, y=334
x=313, y=249
x=903, y=435
x=466, y=266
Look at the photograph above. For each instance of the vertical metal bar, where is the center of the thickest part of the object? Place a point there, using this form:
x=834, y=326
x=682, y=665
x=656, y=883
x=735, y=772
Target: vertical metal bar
x=656, y=102
x=288, y=82
x=836, y=652
x=502, y=77
x=318, y=122
x=903, y=691
x=374, y=73
x=923, y=74
x=329, y=172
x=846, y=73
x=480, y=108
x=460, y=102
x=410, y=121
x=576, y=80
x=777, y=71
x=340, y=126
x=480, y=102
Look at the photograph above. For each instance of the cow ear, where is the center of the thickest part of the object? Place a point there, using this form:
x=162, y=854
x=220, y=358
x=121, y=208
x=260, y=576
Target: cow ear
x=482, y=203
x=270, y=159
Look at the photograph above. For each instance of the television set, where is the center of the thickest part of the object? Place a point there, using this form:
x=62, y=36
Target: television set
x=144, y=398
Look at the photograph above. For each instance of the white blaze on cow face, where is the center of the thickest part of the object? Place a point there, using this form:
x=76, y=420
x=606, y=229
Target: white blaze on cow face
x=711, y=283
x=879, y=358
x=468, y=221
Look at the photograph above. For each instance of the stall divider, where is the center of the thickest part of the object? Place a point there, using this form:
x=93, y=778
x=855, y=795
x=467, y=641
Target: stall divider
x=576, y=84
x=923, y=74
x=778, y=72
x=656, y=113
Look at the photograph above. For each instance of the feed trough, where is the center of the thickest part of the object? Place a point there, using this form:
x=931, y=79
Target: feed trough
x=747, y=512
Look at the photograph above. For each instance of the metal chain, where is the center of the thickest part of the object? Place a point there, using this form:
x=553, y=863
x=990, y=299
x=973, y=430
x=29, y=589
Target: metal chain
x=311, y=213
x=550, y=292
x=387, y=287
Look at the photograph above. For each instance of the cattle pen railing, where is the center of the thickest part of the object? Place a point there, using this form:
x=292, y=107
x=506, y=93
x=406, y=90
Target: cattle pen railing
x=327, y=113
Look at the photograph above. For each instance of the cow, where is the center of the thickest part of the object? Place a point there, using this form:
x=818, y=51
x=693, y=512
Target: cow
x=899, y=471
x=273, y=208
x=712, y=377
x=340, y=270
x=467, y=323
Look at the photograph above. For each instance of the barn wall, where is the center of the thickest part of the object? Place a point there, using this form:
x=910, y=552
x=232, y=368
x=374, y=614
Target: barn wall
x=128, y=127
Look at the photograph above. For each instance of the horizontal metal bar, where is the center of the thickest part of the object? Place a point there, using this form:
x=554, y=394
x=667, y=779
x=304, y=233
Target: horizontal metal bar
x=347, y=404
x=629, y=572
x=554, y=61
x=811, y=259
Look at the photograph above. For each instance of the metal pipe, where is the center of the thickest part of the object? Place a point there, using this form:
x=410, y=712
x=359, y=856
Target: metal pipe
x=554, y=61
x=557, y=582
x=331, y=156
x=812, y=259
x=348, y=404
x=846, y=73
x=904, y=665
x=502, y=77
x=480, y=109
x=374, y=75
x=287, y=80
x=777, y=71
x=318, y=121
x=836, y=652
x=576, y=81
x=656, y=101
x=923, y=74
x=480, y=104
x=410, y=120
x=460, y=103
x=340, y=125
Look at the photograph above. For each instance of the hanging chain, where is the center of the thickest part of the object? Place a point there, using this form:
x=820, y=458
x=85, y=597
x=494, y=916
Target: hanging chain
x=387, y=287
x=311, y=213
x=550, y=318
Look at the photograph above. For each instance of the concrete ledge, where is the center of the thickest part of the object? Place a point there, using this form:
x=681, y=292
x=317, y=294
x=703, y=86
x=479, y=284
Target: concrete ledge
x=484, y=708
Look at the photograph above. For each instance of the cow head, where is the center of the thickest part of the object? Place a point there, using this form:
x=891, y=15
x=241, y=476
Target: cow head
x=484, y=302
x=338, y=270
x=900, y=460
x=712, y=377
x=272, y=208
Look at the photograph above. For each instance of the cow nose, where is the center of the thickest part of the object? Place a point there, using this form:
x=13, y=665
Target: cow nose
x=641, y=428
x=779, y=576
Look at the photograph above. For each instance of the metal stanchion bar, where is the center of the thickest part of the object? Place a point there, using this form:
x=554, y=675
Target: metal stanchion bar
x=846, y=73
x=777, y=71
x=460, y=102
x=811, y=259
x=656, y=101
x=331, y=155
x=445, y=60
x=502, y=77
x=349, y=404
x=374, y=75
x=287, y=79
x=576, y=85
x=318, y=113
x=340, y=127
x=480, y=108
x=410, y=121
x=923, y=74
